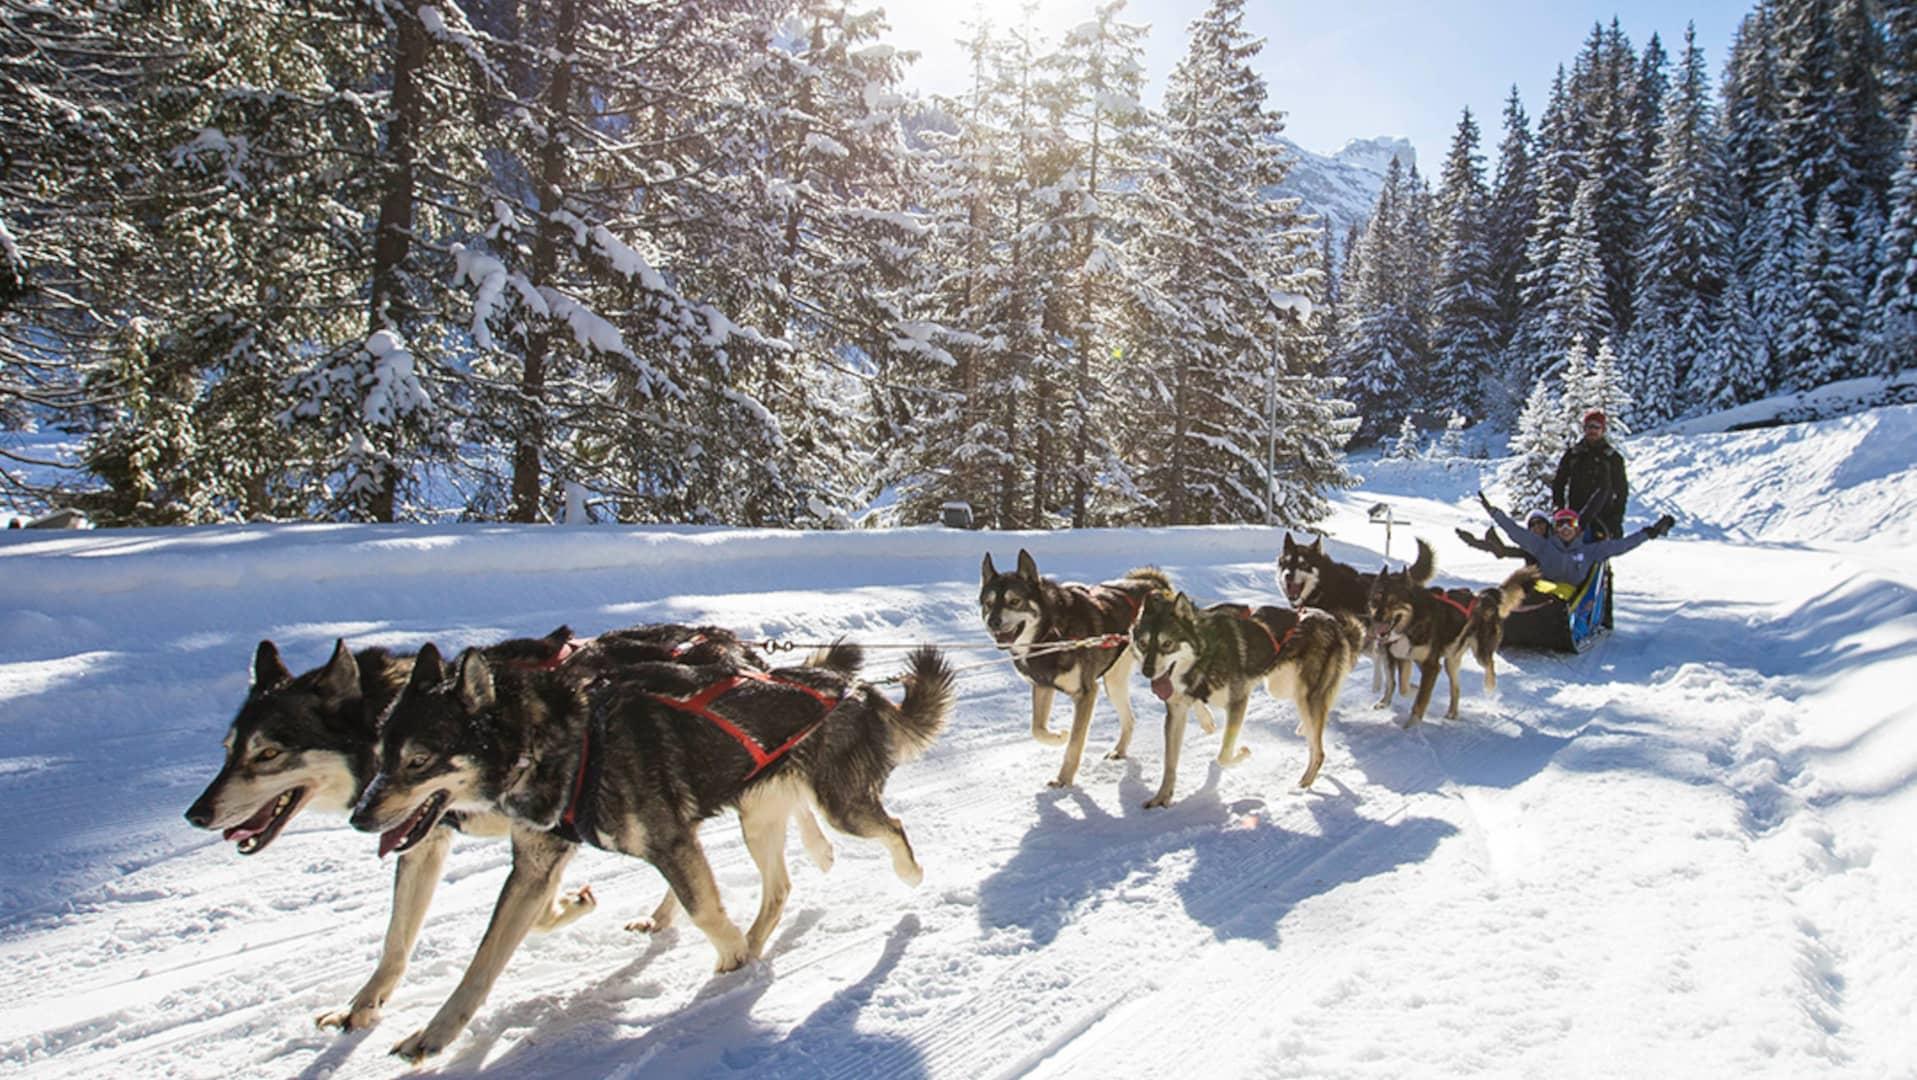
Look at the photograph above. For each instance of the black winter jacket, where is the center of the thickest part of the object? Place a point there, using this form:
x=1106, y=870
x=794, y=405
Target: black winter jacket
x=1590, y=480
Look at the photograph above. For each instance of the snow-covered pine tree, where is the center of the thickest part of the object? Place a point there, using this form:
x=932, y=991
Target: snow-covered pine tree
x=1513, y=201
x=1580, y=307
x=1605, y=390
x=1824, y=340
x=1209, y=238
x=1537, y=443
x=1405, y=446
x=1893, y=296
x=1574, y=396
x=1614, y=101
x=1450, y=445
x=1464, y=308
x=1686, y=257
x=1380, y=338
x=1540, y=337
x=1097, y=88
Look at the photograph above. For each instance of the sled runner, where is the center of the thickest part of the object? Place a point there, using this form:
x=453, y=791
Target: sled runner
x=1563, y=617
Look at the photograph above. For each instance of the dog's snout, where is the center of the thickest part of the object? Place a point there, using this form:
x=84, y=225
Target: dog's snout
x=199, y=816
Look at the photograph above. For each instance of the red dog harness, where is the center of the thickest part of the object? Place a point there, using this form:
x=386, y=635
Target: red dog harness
x=699, y=704
x=1466, y=611
x=1277, y=646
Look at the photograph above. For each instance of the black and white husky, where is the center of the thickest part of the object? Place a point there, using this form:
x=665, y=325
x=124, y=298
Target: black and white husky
x=310, y=743
x=634, y=762
x=1216, y=656
x=1311, y=578
x=1025, y=612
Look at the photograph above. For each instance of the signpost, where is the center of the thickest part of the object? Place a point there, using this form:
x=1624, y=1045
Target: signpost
x=1381, y=514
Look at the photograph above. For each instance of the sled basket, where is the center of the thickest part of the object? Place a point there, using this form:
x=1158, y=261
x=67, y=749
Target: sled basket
x=1563, y=618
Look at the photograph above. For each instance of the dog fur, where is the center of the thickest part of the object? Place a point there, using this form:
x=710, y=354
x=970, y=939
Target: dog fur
x=311, y=742
x=1024, y=610
x=476, y=737
x=1217, y=655
x=1434, y=627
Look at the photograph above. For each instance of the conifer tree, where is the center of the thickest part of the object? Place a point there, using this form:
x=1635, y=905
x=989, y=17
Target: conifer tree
x=1893, y=297
x=1824, y=339
x=1537, y=442
x=1405, y=446
x=1464, y=307
x=1514, y=199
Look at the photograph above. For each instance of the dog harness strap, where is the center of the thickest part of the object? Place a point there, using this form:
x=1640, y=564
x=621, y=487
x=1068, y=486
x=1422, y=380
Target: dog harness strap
x=688, y=645
x=700, y=704
x=1440, y=594
x=1277, y=647
x=570, y=819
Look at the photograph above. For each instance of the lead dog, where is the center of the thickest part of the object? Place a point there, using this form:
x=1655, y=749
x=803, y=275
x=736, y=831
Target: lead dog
x=1216, y=656
x=1024, y=612
x=311, y=741
x=633, y=763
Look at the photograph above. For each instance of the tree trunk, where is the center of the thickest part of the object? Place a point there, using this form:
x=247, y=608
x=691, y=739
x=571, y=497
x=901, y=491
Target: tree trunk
x=545, y=262
x=393, y=236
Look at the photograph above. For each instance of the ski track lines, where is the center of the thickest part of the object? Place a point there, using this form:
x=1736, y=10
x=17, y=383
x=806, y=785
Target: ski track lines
x=1055, y=927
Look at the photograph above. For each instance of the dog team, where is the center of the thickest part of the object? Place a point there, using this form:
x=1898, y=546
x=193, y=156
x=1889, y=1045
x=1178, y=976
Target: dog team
x=630, y=740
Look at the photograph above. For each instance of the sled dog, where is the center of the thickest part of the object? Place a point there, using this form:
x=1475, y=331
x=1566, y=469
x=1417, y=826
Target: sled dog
x=1217, y=655
x=309, y=742
x=633, y=762
x=1433, y=626
x=1024, y=611
x=1311, y=578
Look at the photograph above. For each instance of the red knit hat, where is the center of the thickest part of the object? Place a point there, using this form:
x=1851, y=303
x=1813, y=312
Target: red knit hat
x=1597, y=415
x=1566, y=516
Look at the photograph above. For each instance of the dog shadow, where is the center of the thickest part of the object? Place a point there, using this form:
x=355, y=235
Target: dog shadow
x=1246, y=872
x=715, y=1029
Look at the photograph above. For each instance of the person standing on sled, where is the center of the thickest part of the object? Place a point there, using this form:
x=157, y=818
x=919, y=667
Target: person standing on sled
x=1566, y=556
x=1590, y=480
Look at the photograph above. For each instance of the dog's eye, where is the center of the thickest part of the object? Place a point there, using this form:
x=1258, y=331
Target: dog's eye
x=418, y=761
x=267, y=754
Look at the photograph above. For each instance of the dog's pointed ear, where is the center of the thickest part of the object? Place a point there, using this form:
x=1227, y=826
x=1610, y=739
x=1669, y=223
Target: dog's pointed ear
x=1183, y=608
x=1290, y=544
x=428, y=669
x=560, y=635
x=986, y=571
x=1027, y=568
x=475, y=682
x=268, y=669
x=341, y=677
x=1317, y=545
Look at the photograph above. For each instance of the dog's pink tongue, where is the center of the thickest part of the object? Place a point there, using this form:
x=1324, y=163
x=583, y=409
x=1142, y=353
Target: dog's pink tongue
x=252, y=826
x=1162, y=686
x=391, y=838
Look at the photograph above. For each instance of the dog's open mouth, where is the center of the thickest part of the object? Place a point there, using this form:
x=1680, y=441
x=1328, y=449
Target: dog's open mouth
x=1006, y=637
x=253, y=834
x=1292, y=589
x=1162, y=686
x=404, y=835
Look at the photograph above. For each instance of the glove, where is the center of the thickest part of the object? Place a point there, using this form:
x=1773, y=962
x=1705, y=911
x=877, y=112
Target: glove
x=1661, y=526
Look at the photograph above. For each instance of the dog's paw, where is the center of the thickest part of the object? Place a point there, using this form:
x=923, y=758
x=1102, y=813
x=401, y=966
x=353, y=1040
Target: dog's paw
x=910, y=873
x=1049, y=738
x=1158, y=802
x=1243, y=753
x=646, y=924
x=1058, y=782
x=419, y=1046
x=732, y=959
x=353, y=1018
x=1115, y=755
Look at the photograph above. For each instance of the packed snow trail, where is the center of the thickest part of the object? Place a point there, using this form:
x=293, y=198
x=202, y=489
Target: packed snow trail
x=1685, y=849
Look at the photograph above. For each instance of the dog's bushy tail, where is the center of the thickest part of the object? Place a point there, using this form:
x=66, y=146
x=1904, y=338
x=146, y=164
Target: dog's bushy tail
x=1424, y=567
x=1494, y=606
x=842, y=656
x=930, y=691
x=1153, y=574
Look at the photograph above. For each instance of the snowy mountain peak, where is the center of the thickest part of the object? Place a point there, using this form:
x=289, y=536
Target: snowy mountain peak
x=1343, y=187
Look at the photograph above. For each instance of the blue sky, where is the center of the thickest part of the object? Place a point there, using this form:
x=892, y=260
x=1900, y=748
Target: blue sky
x=1359, y=68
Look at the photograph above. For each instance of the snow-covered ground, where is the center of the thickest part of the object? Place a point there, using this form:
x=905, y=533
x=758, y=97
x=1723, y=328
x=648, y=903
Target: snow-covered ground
x=1687, y=852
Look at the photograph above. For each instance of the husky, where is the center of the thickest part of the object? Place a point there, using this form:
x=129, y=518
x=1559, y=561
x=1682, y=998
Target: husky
x=310, y=742
x=1433, y=626
x=633, y=763
x=1024, y=611
x=1216, y=656
x=1311, y=578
